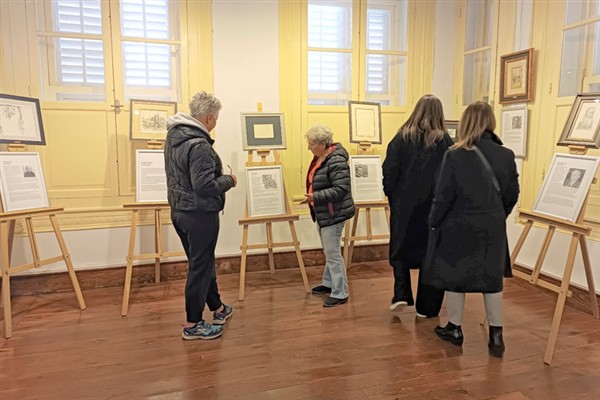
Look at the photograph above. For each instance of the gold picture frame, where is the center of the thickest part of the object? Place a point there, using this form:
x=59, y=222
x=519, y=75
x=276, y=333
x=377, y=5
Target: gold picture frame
x=148, y=119
x=583, y=125
x=517, y=77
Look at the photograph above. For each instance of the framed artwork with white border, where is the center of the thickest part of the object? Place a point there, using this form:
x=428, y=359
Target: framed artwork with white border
x=148, y=119
x=583, y=124
x=22, y=185
x=366, y=178
x=21, y=120
x=514, y=129
x=261, y=131
x=266, y=195
x=151, y=178
x=566, y=185
x=365, y=122
x=517, y=77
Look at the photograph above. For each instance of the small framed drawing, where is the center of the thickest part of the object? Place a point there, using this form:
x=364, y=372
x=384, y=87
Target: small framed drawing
x=22, y=185
x=365, y=122
x=148, y=119
x=265, y=191
x=583, y=125
x=516, y=77
x=365, y=173
x=514, y=129
x=566, y=186
x=151, y=179
x=21, y=120
x=452, y=129
x=263, y=131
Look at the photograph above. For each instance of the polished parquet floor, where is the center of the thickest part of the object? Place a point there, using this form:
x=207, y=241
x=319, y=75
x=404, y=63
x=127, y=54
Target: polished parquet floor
x=282, y=344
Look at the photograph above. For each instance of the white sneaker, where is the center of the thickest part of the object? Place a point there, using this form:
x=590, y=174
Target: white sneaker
x=397, y=304
x=421, y=315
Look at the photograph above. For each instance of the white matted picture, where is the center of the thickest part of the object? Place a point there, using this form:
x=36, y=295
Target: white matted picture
x=514, y=129
x=151, y=179
x=21, y=120
x=583, y=125
x=365, y=122
x=566, y=186
x=22, y=182
x=265, y=191
x=148, y=119
x=263, y=131
x=367, y=179
x=452, y=129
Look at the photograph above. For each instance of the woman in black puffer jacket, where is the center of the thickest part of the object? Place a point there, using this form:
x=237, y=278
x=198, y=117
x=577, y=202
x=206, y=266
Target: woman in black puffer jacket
x=330, y=200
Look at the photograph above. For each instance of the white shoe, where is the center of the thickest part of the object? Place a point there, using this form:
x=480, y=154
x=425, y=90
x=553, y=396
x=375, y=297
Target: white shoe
x=421, y=315
x=397, y=304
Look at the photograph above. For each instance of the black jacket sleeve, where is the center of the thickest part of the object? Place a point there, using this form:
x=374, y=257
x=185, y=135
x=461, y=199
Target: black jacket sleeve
x=510, y=194
x=444, y=193
x=202, y=173
x=392, y=166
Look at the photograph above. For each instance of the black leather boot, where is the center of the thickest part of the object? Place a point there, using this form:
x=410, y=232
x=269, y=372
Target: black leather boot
x=450, y=332
x=496, y=343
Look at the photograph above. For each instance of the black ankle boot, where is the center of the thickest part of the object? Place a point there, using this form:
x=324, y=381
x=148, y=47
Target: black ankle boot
x=450, y=332
x=496, y=343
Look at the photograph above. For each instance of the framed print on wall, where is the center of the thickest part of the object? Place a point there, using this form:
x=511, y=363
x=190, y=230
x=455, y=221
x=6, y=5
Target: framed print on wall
x=514, y=129
x=452, y=129
x=365, y=122
x=583, y=125
x=21, y=120
x=22, y=184
x=148, y=119
x=517, y=77
x=265, y=191
x=566, y=185
x=263, y=131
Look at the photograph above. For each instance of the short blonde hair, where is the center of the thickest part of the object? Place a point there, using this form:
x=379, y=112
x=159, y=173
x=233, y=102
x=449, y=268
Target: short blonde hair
x=204, y=103
x=477, y=118
x=320, y=134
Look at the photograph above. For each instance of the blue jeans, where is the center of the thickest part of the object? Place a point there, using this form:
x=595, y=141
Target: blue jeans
x=334, y=275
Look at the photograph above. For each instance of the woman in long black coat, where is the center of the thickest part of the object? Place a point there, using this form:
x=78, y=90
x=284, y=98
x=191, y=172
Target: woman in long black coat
x=477, y=189
x=413, y=157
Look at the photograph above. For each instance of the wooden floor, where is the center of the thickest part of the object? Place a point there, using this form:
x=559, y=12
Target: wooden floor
x=282, y=344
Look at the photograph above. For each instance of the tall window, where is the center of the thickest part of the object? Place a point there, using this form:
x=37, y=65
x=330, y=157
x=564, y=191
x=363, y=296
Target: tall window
x=382, y=51
x=478, y=51
x=75, y=39
x=580, y=65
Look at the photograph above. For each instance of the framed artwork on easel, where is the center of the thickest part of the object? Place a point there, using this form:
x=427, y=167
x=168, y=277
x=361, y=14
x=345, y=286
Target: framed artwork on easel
x=22, y=184
x=21, y=120
x=148, y=119
x=263, y=131
x=365, y=122
x=366, y=177
x=266, y=195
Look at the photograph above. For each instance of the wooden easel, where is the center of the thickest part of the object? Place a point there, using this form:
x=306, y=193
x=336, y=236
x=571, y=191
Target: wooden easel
x=268, y=221
x=7, y=231
x=158, y=241
x=350, y=238
x=578, y=233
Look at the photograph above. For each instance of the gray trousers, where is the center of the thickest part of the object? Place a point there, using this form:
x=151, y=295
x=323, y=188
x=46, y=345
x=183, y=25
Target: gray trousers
x=455, y=302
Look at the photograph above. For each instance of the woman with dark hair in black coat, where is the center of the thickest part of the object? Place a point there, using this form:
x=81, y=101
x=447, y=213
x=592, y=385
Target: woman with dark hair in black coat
x=413, y=157
x=477, y=189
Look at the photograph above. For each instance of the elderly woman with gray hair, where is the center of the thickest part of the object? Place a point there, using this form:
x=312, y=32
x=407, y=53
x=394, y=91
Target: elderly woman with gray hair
x=330, y=201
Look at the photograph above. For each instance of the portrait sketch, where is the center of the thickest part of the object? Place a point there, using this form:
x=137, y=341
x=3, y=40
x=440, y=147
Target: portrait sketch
x=516, y=122
x=28, y=171
x=583, y=124
x=574, y=178
x=516, y=77
x=269, y=182
x=361, y=171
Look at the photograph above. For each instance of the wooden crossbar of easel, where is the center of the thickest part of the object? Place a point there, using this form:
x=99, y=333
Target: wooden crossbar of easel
x=578, y=235
x=268, y=222
x=136, y=208
x=350, y=233
x=7, y=230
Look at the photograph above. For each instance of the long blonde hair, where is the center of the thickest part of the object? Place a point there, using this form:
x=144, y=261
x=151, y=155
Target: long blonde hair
x=477, y=118
x=426, y=121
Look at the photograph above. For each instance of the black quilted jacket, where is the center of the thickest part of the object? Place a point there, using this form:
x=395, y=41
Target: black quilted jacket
x=195, y=177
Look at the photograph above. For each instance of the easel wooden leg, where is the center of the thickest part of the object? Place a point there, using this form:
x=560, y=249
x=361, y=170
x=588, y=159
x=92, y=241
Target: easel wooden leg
x=270, y=244
x=32, y=242
x=589, y=276
x=244, y=249
x=129, y=268
x=562, y=298
x=157, y=244
x=353, y=234
x=520, y=241
x=369, y=228
x=540, y=260
x=6, y=307
x=299, y=256
x=67, y=258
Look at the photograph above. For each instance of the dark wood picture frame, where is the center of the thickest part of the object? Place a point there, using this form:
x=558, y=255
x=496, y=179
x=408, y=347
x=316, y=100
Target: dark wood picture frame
x=21, y=114
x=355, y=121
x=517, y=77
x=580, y=124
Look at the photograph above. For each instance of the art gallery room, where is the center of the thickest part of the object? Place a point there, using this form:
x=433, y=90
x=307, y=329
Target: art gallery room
x=99, y=300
